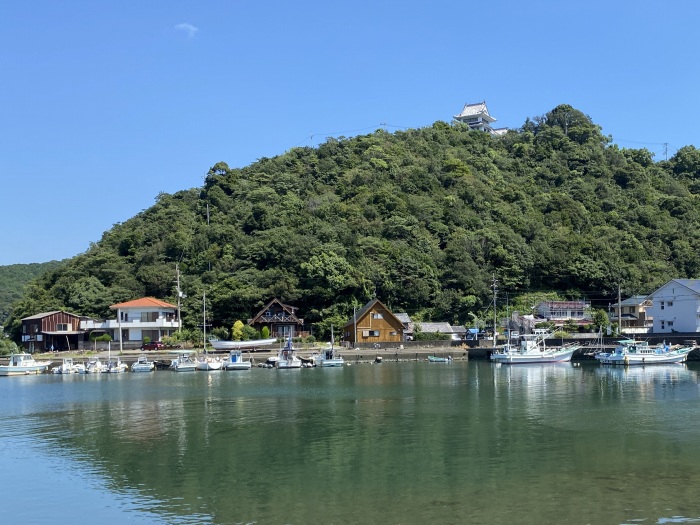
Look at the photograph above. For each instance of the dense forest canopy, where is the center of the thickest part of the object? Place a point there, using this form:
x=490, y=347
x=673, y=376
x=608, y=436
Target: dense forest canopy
x=423, y=219
x=14, y=279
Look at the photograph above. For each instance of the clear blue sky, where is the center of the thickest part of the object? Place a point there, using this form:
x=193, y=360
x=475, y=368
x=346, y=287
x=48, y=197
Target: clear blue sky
x=105, y=104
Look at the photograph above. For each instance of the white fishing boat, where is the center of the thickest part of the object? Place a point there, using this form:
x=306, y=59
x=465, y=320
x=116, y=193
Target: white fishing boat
x=227, y=346
x=287, y=356
x=329, y=357
x=208, y=363
x=142, y=364
x=93, y=366
x=236, y=361
x=115, y=367
x=629, y=352
x=183, y=362
x=532, y=349
x=23, y=364
x=67, y=366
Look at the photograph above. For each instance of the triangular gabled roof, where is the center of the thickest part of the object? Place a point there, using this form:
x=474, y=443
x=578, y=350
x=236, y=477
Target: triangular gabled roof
x=359, y=314
x=144, y=302
x=46, y=314
x=692, y=284
x=291, y=310
x=475, y=110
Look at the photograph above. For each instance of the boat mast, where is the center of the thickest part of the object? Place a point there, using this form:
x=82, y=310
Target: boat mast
x=495, y=288
x=204, y=315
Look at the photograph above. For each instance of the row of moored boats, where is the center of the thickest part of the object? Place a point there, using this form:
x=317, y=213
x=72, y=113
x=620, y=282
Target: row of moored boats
x=627, y=352
x=185, y=361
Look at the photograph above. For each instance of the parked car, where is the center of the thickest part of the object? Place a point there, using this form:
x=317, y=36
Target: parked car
x=153, y=345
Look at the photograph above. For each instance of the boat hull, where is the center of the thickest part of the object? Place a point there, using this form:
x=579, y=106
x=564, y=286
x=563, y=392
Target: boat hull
x=560, y=356
x=21, y=370
x=208, y=366
x=328, y=363
x=641, y=360
x=237, y=345
x=242, y=365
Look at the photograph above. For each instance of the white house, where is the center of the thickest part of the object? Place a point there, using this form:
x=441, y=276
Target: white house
x=138, y=319
x=675, y=307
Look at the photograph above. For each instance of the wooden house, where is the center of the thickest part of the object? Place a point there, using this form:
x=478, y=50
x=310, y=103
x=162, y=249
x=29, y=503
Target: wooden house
x=51, y=331
x=373, y=323
x=281, y=319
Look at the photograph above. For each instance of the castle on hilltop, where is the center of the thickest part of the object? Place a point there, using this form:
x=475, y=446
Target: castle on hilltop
x=477, y=117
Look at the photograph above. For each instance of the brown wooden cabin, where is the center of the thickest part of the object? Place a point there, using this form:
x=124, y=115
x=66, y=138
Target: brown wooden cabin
x=373, y=323
x=281, y=319
x=57, y=331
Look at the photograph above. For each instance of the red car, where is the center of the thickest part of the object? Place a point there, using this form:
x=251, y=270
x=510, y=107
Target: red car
x=153, y=345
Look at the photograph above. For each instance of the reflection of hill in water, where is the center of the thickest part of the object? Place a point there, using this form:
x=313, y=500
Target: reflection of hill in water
x=227, y=445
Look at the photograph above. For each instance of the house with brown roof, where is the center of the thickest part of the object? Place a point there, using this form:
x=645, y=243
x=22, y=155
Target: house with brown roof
x=281, y=319
x=373, y=323
x=137, y=320
x=51, y=331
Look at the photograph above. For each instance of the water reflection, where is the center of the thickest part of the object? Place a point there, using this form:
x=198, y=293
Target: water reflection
x=395, y=443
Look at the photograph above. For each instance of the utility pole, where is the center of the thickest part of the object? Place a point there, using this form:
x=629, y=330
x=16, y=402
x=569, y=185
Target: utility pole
x=619, y=310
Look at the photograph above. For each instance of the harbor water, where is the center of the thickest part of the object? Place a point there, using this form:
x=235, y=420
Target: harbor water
x=391, y=443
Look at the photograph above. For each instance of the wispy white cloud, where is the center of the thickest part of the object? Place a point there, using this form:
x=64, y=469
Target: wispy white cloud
x=189, y=29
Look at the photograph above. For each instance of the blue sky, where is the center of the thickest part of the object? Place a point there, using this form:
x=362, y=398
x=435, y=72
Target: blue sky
x=104, y=105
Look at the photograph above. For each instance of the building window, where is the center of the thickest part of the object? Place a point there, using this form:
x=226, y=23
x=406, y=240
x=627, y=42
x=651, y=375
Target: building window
x=61, y=327
x=392, y=333
x=149, y=317
x=670, y=324
x=662, y=305
x=669, y=304
x=377, y=316
x=663, y=325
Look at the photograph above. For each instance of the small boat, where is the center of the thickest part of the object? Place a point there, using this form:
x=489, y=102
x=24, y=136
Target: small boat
x=93, y=366
x=142, y=364
x=629, y=352
x=207, y=363
x=227, y=346
x=437, y=359
x=532, y=349
x=378, y=360
x=287, y=357
x=183, y=362
x=115, y=367
x=236, y=361
x=23, y=364
x=66, y=367
x=329, y=357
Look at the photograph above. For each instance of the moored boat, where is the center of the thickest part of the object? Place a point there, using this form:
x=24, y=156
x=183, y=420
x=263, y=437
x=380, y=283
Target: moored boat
x=329, y=357
x=208, y=363
x=438, y=359
x=236, y=361
x=287, y=357
x=23, y=364
x=533, y=349
x=183, y=362
x=142, y=364
x=629, y=352
x=67, y=366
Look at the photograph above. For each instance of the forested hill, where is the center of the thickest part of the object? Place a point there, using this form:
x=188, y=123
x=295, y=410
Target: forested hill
x=14, y=279
x=422, y=219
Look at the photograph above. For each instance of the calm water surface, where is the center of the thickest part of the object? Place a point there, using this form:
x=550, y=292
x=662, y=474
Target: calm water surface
x=396, y=443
